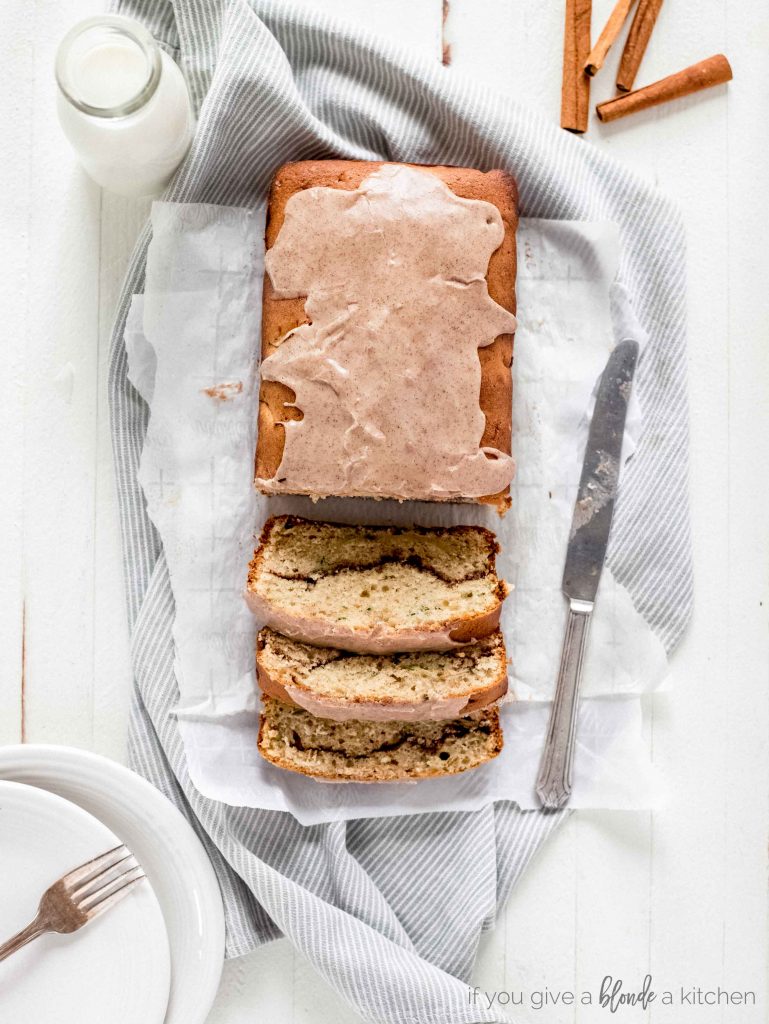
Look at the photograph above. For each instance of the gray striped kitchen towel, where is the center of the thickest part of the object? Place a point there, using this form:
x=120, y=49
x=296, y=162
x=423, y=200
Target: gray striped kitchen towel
x=388, y=910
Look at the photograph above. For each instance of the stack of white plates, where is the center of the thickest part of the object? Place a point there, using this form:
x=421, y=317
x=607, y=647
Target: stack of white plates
x=156, y=957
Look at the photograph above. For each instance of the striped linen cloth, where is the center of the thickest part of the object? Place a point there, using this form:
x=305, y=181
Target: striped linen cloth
x=389, y=910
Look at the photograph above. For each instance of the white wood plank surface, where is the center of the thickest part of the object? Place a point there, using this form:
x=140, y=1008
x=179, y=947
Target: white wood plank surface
x=680, y=893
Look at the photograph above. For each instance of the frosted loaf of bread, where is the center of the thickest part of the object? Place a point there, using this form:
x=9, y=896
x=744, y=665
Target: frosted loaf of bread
x=376, y=384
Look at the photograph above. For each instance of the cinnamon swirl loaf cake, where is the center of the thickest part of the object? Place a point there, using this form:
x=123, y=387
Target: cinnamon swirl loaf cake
x=387, y=333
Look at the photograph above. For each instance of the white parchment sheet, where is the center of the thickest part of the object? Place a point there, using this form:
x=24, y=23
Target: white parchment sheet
x=193, y=342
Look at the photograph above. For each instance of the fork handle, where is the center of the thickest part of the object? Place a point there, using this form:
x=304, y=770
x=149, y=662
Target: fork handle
x=554, y=779
x=32, y=931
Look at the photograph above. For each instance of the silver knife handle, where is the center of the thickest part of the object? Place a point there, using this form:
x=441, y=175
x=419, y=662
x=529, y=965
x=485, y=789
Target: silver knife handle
x=554, y=779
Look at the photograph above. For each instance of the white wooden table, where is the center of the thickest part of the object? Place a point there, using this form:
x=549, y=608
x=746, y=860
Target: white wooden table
x=680, y=893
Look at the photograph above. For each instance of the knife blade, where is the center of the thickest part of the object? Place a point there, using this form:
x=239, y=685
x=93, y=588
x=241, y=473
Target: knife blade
x=594, y=507
x=585, y=556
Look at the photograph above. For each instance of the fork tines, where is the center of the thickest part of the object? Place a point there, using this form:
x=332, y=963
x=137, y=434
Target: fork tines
x=94, y=867
x=99, y=884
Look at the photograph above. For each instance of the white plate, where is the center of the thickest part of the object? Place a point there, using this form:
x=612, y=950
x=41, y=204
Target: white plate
x=117, y=967
x=165, y=844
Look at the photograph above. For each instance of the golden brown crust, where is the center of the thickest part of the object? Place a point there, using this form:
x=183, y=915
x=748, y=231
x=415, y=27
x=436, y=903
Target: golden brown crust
x=273, y=687
x=463, y=630
x=378, y=776
x=282, y=315
x=471, y=628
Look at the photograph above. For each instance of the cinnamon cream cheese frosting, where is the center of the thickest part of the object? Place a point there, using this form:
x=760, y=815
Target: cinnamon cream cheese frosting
x=386, y=374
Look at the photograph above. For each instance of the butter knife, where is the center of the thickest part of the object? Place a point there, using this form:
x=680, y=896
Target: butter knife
x=585, y=555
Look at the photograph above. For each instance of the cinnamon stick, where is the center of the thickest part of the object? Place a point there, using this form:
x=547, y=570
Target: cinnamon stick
x=636, y=43
x=713, y=71
x=611, y=30
x=575, y=87
x=445, y=45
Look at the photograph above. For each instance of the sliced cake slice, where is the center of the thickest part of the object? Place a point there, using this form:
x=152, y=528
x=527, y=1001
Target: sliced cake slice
x=376, y=589
x=418, y=686
x=356, y=751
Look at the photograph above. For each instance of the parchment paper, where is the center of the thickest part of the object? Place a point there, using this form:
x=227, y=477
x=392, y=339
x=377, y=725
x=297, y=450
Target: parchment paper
x=193, y=342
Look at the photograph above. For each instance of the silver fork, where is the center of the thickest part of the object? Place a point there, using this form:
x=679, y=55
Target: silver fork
x=80, y=896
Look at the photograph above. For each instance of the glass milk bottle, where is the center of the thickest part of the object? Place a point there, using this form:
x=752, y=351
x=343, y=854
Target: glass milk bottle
x=123, y=105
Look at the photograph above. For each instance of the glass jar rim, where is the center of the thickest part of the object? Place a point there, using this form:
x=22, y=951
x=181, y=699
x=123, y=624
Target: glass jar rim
x=127, y=27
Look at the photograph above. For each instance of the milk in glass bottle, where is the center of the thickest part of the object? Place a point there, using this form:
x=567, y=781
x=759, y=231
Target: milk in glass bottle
x=123, y=105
